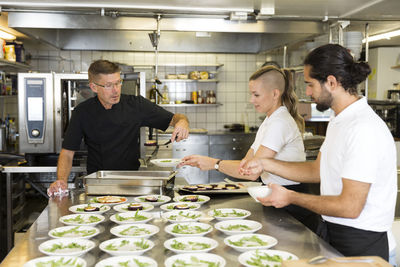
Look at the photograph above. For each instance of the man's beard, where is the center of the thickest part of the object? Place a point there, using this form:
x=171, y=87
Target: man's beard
x=324, y=101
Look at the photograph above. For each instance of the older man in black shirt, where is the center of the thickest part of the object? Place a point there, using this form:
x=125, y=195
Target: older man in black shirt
x=110, y=124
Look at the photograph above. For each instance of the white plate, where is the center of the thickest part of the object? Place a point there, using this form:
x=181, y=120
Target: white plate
x=189, y=244
x=238, y=226
x=160, y=199
x=166, y=162
x=80, y=208
x=188, y=229
x=131, y=217
x=82, y=219
x=183, y=205
x=133, y=261
x=63, y=246
x=135, y=230
x=177, y=216
x=249, y=256
x=109, y=200
x=250, y=244
x=229, y=214
x=74, y=232
x=201, y=199
x=124, y=207
x=66, y=261
x=125, y=246
x=192, y=259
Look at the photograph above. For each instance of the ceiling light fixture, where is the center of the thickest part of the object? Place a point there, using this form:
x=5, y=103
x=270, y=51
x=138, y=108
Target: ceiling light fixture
x=6, y=36
x=386, y=35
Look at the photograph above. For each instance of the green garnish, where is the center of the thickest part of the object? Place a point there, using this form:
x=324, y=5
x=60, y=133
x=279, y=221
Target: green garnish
x=185, y=215
x=189, y=229
x=136, y=245
x=166, y=160
x=184, y=199
x=189, y=246
x=237, y=227
x=172, y=206
x=59, y=263
x=82, y=220
x=252, y=241
x=194, y=261
x=136, y=261
x=134, y=231
x=136, y=217
x=234, y=213
x=74, y=232
x=258, y=259
x=72, y=246
x=159, y=199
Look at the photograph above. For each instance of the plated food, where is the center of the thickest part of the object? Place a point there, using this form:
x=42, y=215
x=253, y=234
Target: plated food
x=229, y=214
x=65, y=261
x=233, y=227
x=135, y=230
x=245, y=242
x=82, y=219
x=180, y=206
x=94, y=208
x=189, y=244
x=126, y=207
x=261, y=258
x=155, y=200
x=131, y=217
x=128, y=261
x=74, y=232
x=182, y=216
x=188, y=229
x=66, y=247
x=109, y=200
x=213, y=187
x=195, y=259
x=199, y=199
x=126, y=246
x=166, y=162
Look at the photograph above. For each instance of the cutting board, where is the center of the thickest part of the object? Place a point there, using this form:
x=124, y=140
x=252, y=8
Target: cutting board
x=378, y=262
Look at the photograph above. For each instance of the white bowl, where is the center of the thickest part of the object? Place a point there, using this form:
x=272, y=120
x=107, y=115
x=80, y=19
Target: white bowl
x=80, y=208
x=248, y=243
x=192, y=259
x=49, y=260
x=135, y=230
x=234, y=227
x=160, y=199
x=131, y=217
x=177, y=216
x=259, y=256
x=60, y=247
x=82, y=219
x=184, y=206
x=201, y=199
x=125, y=246
x=189, y=244
x=74, y=232
x=109, y=200
x=188, y=229
x=229, y=214
x=124, y=207
x=132, y=261
x=259, y=191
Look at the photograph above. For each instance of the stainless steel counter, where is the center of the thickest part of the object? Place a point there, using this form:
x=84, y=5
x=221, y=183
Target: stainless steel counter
x=292, y=236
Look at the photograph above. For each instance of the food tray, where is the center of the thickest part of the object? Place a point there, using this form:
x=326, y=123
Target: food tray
x=129, y=182
x=242, y=188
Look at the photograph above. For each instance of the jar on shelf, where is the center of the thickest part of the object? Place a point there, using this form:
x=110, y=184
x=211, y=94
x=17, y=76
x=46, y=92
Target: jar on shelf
x=165, y=95
x=200, y=97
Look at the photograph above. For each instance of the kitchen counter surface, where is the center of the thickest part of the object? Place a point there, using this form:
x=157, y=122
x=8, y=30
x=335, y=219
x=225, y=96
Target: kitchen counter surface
x=292, y=236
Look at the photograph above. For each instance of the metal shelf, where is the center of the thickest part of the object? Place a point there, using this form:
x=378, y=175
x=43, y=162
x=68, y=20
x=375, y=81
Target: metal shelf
x=178, y=65
x=187, y=80
x=10, y=66
x=190, y=105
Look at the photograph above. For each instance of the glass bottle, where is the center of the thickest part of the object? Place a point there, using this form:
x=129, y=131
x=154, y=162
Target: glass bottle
x=153, y=93
x=200, y=98
x=165, y=95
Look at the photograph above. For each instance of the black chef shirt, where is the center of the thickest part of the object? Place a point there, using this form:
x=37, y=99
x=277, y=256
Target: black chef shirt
x=112, y=135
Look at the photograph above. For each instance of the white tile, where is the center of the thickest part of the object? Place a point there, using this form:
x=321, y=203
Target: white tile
x=231, y=117
x=230, y=66
x=211, y=118
x=230, y=107
x=221, y=58
x=201, y=117
x=106, y=55
x=138, y=58
x=231, y=76
x=241, y=57
x=96, y=55
x=180, y=58
x=241, y=76
x=240, y=66
x=230, y=58
x=230, y=98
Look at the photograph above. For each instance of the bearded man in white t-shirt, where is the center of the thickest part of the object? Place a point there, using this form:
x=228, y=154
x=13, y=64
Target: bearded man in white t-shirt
x=356, y=165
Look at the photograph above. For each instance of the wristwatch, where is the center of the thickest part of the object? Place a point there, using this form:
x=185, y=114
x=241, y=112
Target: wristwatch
x=216, y=166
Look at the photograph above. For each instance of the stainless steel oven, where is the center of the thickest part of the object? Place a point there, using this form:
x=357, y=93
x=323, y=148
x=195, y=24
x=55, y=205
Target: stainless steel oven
x=46, y=101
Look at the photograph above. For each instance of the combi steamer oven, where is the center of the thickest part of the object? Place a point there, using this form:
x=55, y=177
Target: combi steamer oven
x=45, y=105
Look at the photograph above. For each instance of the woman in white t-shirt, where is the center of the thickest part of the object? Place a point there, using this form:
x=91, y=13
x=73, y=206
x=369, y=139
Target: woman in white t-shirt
x=279, y=136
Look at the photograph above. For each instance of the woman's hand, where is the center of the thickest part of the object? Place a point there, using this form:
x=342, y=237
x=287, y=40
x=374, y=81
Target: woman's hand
x=202, y=162
x=251, y=167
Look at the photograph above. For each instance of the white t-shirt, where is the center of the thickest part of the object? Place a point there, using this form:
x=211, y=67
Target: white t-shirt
x=359, y=146
x=279, y=132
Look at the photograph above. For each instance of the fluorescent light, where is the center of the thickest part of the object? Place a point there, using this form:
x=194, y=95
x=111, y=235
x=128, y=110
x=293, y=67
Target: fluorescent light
x=6, y=35
x=381, y=36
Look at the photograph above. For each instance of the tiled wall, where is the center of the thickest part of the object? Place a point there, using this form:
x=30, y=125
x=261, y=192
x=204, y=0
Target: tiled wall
x=231, y=90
